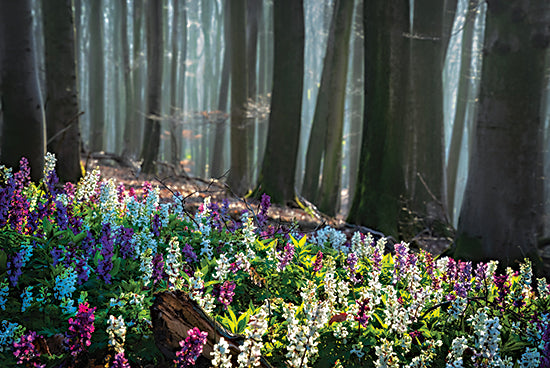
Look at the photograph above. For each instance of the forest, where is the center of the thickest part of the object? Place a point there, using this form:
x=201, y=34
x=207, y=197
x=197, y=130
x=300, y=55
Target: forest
x=406, y=118
x=431, y=110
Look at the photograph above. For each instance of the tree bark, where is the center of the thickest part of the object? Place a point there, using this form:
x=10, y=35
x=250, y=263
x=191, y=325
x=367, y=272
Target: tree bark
x=62, y=110
x=23, y=128
x=238, y=175
x=501, y=212
x=378, y=197
x=97, y=75
x=329, y=191
x=155, y=42
x=277, y=176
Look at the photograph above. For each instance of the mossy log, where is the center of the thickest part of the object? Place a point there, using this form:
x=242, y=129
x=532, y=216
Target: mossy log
x=173, y=313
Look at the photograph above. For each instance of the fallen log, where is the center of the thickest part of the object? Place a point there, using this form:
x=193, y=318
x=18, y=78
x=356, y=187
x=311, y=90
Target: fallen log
x=173, y=313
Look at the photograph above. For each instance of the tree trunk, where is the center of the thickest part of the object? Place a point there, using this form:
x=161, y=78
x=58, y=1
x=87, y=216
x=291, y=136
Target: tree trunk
x=219, y=135
x=23, y=129
x=377, y=201
x=130, y=121
x=151, y=137
x=428, y=44
x=175, y=126
x=465, y=99
x=329, y=192
x=238, y=176
x=277, y=176
x=62, y=113
x=173, y=313
x=501, y=212
x=97, y=75
x=253, y=13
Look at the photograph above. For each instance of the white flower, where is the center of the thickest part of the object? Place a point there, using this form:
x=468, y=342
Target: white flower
x=221, y=356
x=116, y=330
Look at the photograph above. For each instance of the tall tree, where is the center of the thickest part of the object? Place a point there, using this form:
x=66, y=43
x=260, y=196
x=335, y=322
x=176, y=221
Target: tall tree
x=23, y=129
x=219, y=134
x=155, y=43
x=329, y=191
x=329, y=114
x=97, y=75
x=238, y=176
x=62, y=110
x=380, y=185
x=279, y=163
x=129, y=123
x=501, y=212
x=428, y=44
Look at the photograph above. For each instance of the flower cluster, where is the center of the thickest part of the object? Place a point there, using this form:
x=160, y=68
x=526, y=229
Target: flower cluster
x=251, y=349
x=26, y=351
x=191, y=348
x=78, y=337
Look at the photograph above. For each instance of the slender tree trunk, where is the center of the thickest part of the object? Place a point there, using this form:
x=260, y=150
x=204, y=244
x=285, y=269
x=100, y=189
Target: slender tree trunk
x=277, y=176
x=378, y=197
x=139, y=81
x=219, y=137
x=465, y=98
x=23, y=128
x=238, y=176
x=329, y=192
x=97, y=75
x=130, y=121
x=501, y=212
x=62, y=112
x=253, y=13
x=151, y=138
x=357, y=81
x=175, y=135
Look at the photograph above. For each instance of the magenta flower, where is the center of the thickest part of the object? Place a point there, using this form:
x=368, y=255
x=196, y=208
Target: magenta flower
x=318, y=264
x=26, y=351
x=79, y=336
x=226, y=293
x=191, y=348
x=120, y=361
x=286, y=257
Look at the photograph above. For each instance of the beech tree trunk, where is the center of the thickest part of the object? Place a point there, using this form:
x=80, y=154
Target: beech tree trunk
x=277, y=176
x=23, y=129
x=97, y=74
x=151, y=137
x=62, y=111
x=501, y=212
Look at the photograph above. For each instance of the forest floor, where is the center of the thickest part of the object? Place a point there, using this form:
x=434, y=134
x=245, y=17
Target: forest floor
x=194, y=190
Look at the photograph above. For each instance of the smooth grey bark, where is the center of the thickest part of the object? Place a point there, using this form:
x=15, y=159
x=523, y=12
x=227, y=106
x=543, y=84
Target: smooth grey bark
x=155, y=42
x=62, y=110
x=23, y=128
x=501, y=213
x=277, y=176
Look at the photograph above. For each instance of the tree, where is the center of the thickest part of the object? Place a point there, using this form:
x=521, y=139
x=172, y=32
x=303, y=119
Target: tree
x=62, y=110
x=97, y=75
x=329, y=191
x=279, y=163
x=380, y=184
x=329, y=114
x=428, y=44
x=23, y=129
x=151, y=136
x=501, y=212
x=238, y=175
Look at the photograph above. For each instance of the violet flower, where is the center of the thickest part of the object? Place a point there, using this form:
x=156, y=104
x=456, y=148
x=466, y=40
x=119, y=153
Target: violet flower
x=286, y=256
x=362, y=315
x=105, y=264
x=226, y=293
x=78, y=337
x=318, y=264
x=26, y=351
x=126, y=246
x=158, y=268
x=503, y=286
x=120, y=361
x=191, y=348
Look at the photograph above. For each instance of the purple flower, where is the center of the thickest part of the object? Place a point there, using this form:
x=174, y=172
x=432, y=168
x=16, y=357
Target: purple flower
x=156, y=225
x=79, y=335
x=189, y=254
x=318, y=264
x=480, y=276
x=82, y=269
x=120, y=361
x=351, y=262
x=105, y=264
x=158, y=268
x=362, y=315
x=126, y=246
x=286, y=256
x=226, y=293
x=463, y=284
x=191, y=348
x=376, y=259
x=503, y=287
x=26, y=352
x=15, y=267
x=265, y=203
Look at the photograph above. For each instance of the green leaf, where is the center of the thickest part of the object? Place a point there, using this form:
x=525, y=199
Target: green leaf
x=3, y=261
